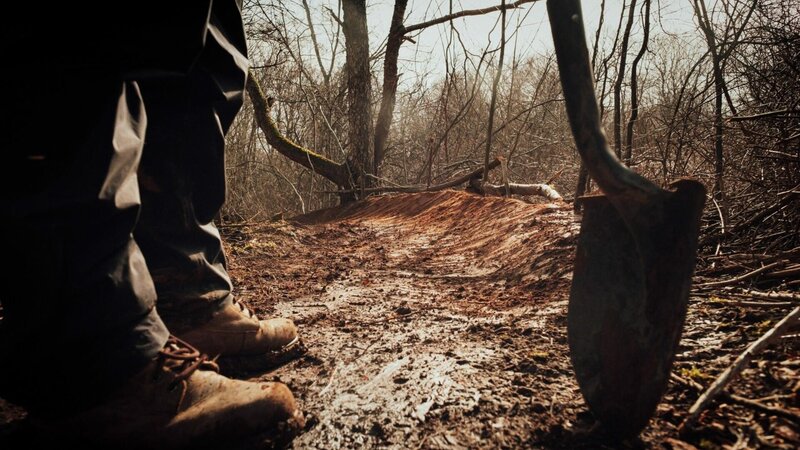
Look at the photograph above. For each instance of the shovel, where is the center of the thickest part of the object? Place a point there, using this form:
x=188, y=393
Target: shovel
x=635, y=258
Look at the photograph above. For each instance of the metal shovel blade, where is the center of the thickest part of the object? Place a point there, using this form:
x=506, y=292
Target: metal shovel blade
x=628, y=302
x=635, y=257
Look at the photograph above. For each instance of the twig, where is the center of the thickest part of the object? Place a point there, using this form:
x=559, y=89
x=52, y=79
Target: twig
x=763, y=258
x=330, y=381
x=722, y=228
x=746, y=276
x=788, y=414
x=762, y=115
x=236, y=225
x=773, y=295
x=785, y=273
x=687, y=382
x=555, y=176
x=739, y=363
x=746, y=303
x=786, y=198
x=469, y=12
x=753, y=404
x=334, y=16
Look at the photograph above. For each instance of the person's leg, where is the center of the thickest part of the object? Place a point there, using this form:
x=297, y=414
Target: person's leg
x=182, y=188
x=81, y=344
x=182, y=182
x=77, y=298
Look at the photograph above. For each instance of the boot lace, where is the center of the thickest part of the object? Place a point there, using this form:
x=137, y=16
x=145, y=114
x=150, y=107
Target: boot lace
x=182, y=360
x=244, y=309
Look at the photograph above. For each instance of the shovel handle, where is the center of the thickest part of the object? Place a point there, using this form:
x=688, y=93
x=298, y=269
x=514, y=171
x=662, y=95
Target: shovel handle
x=621, y=185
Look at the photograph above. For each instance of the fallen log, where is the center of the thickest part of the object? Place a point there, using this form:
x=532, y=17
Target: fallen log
x=477, y=173
x=541, y=190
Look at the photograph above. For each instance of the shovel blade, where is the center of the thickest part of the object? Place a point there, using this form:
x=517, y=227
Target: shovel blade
x=628, y=301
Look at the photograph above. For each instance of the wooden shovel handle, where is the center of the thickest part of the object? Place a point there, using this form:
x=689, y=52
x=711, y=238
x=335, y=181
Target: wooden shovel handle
x=625, y=188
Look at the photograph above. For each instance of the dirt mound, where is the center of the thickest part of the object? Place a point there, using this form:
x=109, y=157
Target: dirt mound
x=440, y=207
x=434, y=320
x=497, y=238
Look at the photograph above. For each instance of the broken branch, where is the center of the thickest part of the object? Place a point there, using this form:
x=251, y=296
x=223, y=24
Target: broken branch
x=333, y=171
x=763, y=115
x=421, y=188
x=791, y=319
x=743, y=277
x=541, y=190
x=465, y=13
x=752, y=404
x=773, y=295
x=758, y=406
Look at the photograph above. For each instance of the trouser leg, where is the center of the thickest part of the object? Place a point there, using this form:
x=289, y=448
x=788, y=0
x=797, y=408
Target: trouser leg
x=182, y=175
x=182, y=189
x=77, y=297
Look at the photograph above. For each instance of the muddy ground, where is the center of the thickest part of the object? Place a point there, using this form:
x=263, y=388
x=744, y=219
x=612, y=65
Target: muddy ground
x=438, y=320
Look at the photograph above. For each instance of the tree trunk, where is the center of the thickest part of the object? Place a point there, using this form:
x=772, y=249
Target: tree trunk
x=390, y=79
x=623, y=56
x=635, y=85
x=493, y=100
x=719, y=158
x=359, y=88
x=338, y=174
x=719, y=126
x=583, y=186
x=326, y=76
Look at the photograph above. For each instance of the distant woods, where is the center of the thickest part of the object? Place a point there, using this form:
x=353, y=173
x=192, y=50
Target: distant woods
x=720, y=103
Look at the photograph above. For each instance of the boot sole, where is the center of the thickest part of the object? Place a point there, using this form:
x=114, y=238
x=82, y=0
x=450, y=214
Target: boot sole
x=263, y=362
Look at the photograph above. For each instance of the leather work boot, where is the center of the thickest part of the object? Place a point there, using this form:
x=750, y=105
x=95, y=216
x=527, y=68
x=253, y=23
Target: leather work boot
x=243, y=341
x=179, y=400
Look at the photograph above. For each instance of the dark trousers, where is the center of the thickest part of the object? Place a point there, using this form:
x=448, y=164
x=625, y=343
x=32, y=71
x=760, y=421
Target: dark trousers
x=112, y=173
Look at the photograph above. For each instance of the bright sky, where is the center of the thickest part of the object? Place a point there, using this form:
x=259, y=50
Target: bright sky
x=427, y=55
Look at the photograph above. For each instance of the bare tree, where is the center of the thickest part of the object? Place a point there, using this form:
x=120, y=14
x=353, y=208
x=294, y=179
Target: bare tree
x=635, y=84
x=390, y=79
x=720, y=49
x=623, y=56
x=493, y=101
x=359, y=88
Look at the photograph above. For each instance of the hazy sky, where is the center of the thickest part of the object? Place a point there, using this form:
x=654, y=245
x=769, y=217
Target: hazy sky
x=427, y=54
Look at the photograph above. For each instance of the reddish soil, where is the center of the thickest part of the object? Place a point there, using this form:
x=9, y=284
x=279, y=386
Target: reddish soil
x=438, y=320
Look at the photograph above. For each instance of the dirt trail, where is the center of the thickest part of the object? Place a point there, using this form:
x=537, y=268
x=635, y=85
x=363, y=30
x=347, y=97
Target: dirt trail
x=433, y=320
x=438, y=320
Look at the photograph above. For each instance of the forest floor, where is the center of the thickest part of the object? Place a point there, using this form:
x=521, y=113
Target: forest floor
x=438, y=320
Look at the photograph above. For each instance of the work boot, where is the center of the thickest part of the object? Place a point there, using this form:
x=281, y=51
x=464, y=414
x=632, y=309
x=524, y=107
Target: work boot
x=243, y=341
x=179, y=400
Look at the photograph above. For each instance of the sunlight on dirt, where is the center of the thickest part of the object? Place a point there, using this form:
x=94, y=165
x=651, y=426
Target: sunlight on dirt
x=438, y=320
